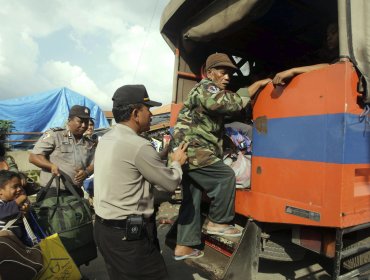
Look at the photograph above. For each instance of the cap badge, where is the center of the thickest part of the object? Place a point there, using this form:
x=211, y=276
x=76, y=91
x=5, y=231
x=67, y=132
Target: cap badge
x=146, y=98
x=86, y=111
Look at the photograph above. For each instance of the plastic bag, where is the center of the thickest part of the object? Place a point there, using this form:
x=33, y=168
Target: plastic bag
x=242, y=169
x=58, y=264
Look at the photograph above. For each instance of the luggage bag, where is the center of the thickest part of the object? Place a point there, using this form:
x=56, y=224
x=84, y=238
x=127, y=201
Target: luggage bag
x=68, y=215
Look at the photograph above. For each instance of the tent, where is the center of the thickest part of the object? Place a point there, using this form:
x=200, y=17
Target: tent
x=41, y=111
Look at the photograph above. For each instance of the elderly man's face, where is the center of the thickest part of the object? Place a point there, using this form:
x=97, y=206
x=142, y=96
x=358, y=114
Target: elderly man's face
x=220, y=76
x=78, y=126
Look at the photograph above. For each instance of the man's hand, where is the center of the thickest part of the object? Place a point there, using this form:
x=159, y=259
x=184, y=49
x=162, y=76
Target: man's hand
x=179, y=154
x=256, y=86
x=54, y=169
x=281, y=78
x=264, y=82
x=80, y=176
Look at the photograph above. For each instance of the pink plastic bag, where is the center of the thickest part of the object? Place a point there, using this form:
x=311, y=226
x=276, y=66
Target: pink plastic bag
x=242, y=169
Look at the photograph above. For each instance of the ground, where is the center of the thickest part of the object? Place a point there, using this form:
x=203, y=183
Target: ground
x=212, y=265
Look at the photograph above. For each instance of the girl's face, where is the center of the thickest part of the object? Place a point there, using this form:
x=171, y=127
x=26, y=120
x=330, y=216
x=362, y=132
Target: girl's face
x=11, y=190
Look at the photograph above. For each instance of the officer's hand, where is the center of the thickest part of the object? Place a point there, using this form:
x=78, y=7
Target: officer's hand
x=179, y=154
x=54, y=169
x=80, y=176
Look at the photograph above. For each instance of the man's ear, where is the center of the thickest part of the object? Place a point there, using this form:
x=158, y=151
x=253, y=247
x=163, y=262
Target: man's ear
x=135, y=113
x=209, y=74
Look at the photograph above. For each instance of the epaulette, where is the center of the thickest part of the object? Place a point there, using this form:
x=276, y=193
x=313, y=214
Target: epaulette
x=56, y=129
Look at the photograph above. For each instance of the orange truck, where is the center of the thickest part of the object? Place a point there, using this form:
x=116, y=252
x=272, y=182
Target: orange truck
x=310, y=177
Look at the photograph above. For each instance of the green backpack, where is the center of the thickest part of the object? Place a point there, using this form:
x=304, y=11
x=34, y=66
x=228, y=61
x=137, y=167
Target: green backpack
x=68, y=215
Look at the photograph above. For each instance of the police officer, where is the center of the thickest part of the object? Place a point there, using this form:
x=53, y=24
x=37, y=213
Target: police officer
x=201, y=124
x=66, y=149
x=127, y=168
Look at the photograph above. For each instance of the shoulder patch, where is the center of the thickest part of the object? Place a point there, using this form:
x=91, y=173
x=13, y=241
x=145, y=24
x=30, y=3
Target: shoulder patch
x=212, y=88
x=45, y=136
x=56, y=128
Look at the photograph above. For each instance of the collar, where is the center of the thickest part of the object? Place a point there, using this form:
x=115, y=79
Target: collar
x=70, y=135
x=125, y=128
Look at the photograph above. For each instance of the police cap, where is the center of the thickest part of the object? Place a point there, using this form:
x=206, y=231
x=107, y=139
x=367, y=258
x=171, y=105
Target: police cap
x=132, y=94
x=79, y=111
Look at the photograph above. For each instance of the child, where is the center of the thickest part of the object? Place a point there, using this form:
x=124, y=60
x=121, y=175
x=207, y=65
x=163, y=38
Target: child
x=12, y=201
x=17, y=261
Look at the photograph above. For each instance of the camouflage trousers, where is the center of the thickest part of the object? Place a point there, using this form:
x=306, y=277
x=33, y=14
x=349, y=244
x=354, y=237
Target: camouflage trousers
x=218, y=182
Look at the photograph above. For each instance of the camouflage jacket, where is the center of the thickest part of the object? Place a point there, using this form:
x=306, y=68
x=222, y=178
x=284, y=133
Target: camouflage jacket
x=201, y=121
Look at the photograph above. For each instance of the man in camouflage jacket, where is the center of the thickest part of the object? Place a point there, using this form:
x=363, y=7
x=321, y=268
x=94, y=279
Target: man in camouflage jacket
x=201, y=124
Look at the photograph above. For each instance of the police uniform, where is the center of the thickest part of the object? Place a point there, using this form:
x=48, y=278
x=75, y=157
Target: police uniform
x=126, y=170
x=61, y=148
x=201, y=124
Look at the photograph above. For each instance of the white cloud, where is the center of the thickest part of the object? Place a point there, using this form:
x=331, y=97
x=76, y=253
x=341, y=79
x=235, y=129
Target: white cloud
x=142, y=57
x=66, y=75
x=136, y=53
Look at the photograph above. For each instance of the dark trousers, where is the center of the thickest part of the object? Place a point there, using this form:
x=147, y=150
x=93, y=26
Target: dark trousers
x=218, y=181
x=130, y=260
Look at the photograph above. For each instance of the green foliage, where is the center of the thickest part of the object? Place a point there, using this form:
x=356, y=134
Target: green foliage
x=6, y=126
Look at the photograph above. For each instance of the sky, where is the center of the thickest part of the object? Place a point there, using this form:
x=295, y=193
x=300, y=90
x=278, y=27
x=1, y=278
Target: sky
x=89, y=46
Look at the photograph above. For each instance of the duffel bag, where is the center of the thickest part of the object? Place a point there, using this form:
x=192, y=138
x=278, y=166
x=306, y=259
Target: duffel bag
x=68, y=215
x=18, y=261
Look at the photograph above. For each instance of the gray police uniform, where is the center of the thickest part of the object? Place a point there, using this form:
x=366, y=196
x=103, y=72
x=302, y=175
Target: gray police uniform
x=126, y=169
x=60, y=147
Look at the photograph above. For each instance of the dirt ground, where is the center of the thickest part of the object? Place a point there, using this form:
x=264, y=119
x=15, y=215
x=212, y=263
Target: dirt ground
x=212, y=265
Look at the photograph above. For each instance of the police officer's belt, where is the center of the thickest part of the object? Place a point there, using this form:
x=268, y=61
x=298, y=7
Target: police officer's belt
x=121, y=224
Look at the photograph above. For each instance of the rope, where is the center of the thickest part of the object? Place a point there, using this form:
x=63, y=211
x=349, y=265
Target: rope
x=11, y=222
x=145, y=41
x=29, y=231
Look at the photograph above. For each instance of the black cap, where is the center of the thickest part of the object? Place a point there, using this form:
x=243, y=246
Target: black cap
x=79, y=111
x=132, y=94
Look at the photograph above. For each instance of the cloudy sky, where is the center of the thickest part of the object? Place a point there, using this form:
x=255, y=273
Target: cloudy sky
x=89, y=46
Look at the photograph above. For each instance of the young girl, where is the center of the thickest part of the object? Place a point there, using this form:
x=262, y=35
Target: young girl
x=13, y=201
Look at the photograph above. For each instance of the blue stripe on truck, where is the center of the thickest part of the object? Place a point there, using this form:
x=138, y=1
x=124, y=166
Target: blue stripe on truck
x=334, y=138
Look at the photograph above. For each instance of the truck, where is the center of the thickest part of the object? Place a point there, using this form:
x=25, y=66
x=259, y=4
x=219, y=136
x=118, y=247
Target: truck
x=310, y=171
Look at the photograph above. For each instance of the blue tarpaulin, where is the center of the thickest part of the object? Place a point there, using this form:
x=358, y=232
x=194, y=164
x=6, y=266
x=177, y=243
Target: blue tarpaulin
x=39, y=112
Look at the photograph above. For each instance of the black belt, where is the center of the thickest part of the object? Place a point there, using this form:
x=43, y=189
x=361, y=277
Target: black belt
x=121, y=224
